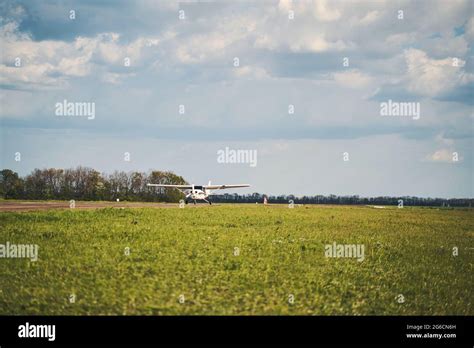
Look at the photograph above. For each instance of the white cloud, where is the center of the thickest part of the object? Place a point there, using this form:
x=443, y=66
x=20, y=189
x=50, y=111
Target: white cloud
x=433, y=77
x=252, y=72
x=401, y=39
x=31, y=76
x=325, y=10
x=285, y=5
x=443, y=155
x=370, y=17
x=352, y=79
x=317, y=43
x=215, y=43
x=446, y=46
x=50, y=64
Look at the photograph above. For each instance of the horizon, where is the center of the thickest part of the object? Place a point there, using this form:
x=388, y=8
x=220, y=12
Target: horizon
x=238, y=192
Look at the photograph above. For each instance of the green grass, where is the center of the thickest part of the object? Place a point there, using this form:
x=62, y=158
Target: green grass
x=190, y=252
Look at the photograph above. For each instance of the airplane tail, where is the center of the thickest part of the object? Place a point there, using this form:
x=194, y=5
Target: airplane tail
x=208, y=192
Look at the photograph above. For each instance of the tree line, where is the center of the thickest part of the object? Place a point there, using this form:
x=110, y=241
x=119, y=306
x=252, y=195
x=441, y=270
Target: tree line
x=345, y=200
x=83, y=183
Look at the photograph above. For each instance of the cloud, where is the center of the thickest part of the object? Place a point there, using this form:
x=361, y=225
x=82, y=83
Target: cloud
x=315, y=43
x=370, y=17
x=51, y=64
x=352, y=79
x=251, y=72
x=202, y=47
x=434, y=77
x=442, y=155
x=324, y=11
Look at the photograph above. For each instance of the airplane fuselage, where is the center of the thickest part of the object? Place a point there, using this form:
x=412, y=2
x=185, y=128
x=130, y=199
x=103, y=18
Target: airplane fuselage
x=196, y=194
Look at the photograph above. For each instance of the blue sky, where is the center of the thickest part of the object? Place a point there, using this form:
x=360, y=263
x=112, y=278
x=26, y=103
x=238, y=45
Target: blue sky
x=426, y=57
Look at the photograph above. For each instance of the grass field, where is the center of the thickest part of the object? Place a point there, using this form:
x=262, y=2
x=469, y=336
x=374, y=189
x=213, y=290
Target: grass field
x=239, y=259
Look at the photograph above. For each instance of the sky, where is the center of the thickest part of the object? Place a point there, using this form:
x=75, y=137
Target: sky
x=174, y=83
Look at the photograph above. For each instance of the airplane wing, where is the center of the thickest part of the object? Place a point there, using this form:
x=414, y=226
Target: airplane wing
x=222, y=187
x=179, y=187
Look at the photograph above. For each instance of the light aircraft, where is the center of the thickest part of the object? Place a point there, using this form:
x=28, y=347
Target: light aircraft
x=195, y=192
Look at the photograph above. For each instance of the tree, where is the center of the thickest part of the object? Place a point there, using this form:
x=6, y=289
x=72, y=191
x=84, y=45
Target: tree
x=164, y=178
x=11, y=185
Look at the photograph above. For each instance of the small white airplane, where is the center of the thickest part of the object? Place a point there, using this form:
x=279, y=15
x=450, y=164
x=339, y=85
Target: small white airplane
x=195, y=192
